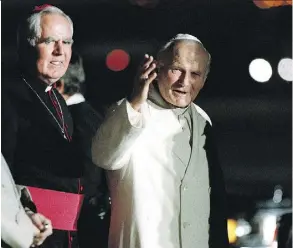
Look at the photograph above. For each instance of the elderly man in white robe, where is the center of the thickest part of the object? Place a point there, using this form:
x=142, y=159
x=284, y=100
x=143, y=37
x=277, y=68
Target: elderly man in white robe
x=166, y=185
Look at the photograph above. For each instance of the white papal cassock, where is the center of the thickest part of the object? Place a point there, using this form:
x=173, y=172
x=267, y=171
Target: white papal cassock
x=158, y=175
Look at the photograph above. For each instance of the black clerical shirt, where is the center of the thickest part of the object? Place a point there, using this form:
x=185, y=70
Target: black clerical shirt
x=32, y=141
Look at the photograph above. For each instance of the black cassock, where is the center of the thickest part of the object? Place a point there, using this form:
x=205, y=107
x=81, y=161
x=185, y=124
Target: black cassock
x=94, y=218
x=38, y=153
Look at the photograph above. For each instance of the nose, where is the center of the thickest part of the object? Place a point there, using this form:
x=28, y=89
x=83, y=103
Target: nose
x=184, y=79
x=58, y=50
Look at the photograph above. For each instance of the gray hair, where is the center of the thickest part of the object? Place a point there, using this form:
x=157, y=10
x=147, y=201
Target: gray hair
x=32, y=29
x=185, y=37
x=74, y=76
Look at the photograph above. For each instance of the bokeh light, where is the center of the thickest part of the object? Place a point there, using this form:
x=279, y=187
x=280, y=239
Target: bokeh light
x=285, y=69
x=265, y=4
x=117, y=60
x=260, y=70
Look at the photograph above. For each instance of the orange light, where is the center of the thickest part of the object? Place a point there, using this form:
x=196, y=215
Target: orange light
x=232, y=225
x=265, y=4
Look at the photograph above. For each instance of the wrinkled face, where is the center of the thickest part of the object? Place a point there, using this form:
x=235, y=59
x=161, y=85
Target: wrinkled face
x=54, y=47
x=182, y=73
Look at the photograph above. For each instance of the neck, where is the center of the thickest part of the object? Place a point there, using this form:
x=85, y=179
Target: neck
x=47, y=81
x=38, y=78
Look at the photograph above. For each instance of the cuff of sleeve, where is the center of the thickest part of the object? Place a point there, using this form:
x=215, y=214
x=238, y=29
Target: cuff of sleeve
x=135, y=118
x=26, y=200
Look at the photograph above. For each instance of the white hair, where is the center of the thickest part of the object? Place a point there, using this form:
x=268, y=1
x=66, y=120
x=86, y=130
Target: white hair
x=33, y=23
x=186, y=37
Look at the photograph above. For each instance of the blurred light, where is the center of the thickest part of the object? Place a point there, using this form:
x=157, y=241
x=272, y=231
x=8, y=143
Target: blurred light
x=265, y=4
x=117, y=60
x=285, y=69
x=260, y=70
x=268, y=229
x=243, y=228
x=278, y=196
x=232, y=224
x=240, y=231
x=145, y=3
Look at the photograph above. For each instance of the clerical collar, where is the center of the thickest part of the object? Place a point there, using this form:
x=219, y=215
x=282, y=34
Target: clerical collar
x=155, y=97
x=48, y=88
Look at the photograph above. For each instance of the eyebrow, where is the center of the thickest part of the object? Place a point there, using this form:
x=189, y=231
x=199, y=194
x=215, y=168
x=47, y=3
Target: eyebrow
x=41, y=40
x=177, y=65
x=69, y=40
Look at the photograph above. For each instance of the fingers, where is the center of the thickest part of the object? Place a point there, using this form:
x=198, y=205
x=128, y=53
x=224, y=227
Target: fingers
x=151, y=77
x=37, y=220
x=147, y=67
x=47, y=231
x=146, y=75
x=146, y=62
x=38, y=240
x=45, y=227
x=41, y=221
x=40, y=237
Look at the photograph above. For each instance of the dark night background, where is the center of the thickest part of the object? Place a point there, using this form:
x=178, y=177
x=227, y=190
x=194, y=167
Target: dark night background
x=253, y=121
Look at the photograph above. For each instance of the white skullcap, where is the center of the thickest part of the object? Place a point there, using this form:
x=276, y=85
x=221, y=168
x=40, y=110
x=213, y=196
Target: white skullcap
x=185, y=37
x=180, y=37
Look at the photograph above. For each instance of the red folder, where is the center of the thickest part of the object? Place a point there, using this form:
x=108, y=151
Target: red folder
x=61, y=208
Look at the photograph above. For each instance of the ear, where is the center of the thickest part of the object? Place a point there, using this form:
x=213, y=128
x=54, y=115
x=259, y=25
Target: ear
x=159, y=64
x=203, y=82
x=159, y=68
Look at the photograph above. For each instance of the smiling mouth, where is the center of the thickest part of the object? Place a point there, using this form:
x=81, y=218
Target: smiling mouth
x=56, y=63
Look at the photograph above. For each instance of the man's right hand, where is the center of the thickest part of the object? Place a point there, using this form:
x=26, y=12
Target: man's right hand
x=43, y=224
x=143, y=79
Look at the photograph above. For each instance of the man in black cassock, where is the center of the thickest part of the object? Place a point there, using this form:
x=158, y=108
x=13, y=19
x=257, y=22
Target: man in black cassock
x=37, y=127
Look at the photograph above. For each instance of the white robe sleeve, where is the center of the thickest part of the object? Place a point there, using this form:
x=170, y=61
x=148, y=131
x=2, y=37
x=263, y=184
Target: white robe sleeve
x=17, y=234
x=111, y=147
x=17, y=229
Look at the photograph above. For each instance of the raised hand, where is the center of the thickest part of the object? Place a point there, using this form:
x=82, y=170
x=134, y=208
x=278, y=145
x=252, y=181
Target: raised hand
x=145, y=76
